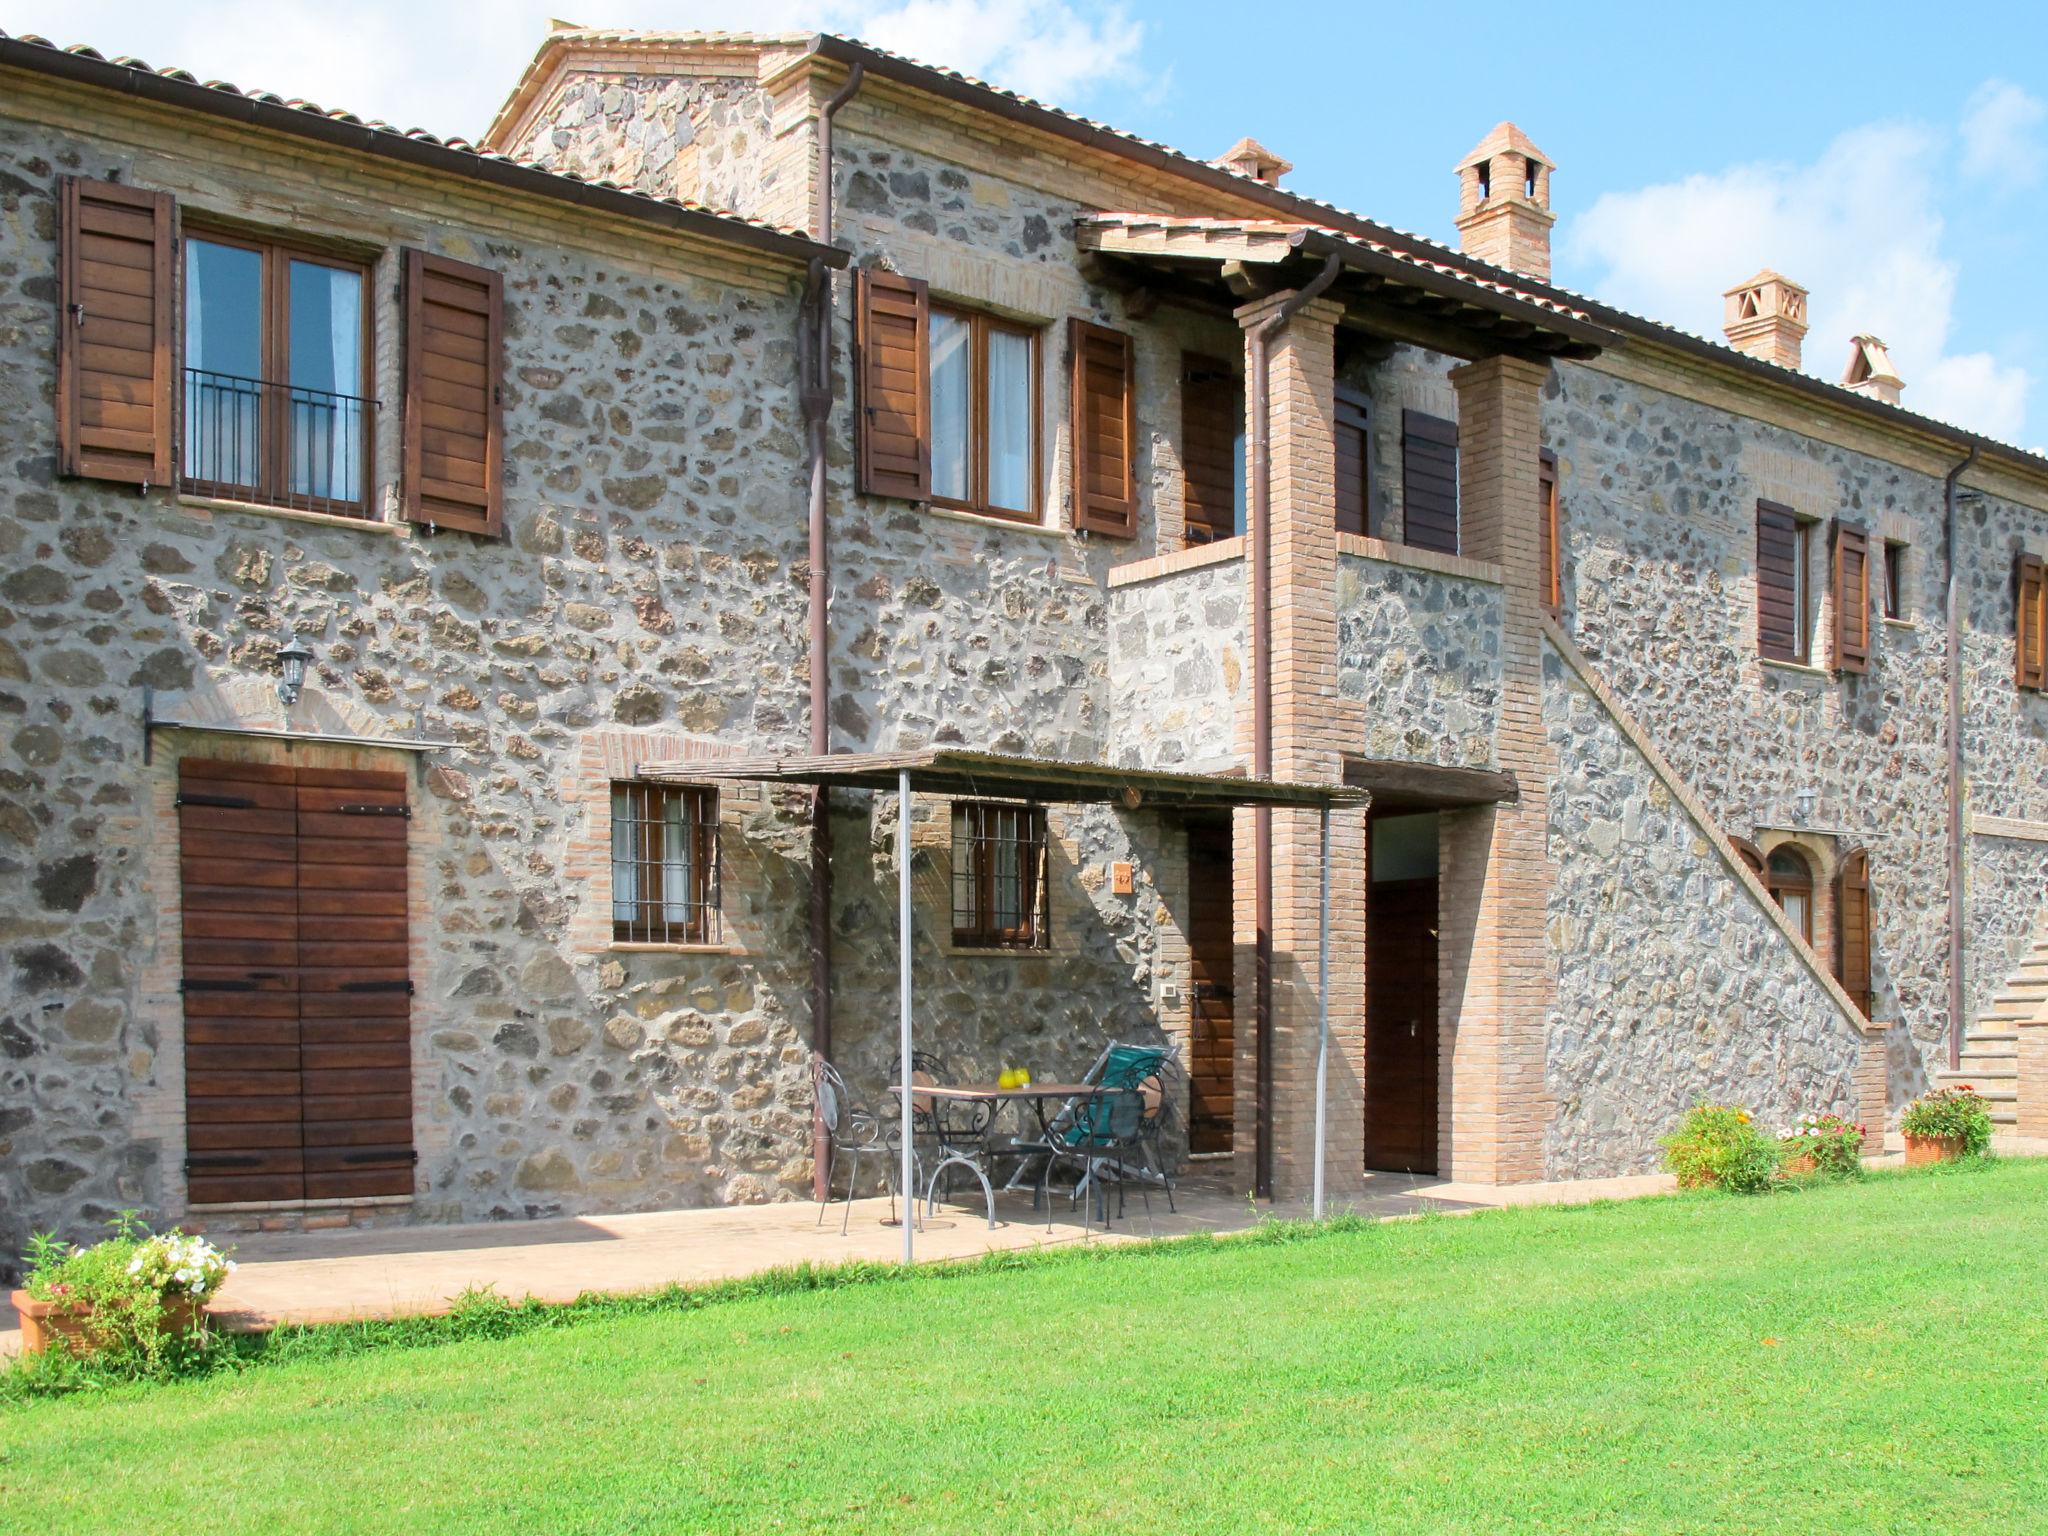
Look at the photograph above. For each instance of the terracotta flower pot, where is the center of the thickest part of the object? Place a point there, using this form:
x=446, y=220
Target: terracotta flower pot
x=1932, y=1149
x=48, y=1324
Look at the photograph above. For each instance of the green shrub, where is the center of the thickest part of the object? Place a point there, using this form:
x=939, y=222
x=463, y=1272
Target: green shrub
x=1835, y=1145
x=1951, y=1112
x=1718, y=1145
x=124, y=1284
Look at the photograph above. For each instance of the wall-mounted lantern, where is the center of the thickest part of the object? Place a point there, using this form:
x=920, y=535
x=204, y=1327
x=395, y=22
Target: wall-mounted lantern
x=1804, y=803
x=291, y=671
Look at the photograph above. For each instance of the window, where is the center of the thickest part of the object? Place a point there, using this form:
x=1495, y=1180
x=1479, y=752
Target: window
x=1789, y=879
x=999, y=876
x=1894, y=580
x=1546, y=531
x=1211, y=449
x=2030, y=627
x=1784, y=602
x=276, y=349
x=664, y=864
x=1358, y=501
x=984, y=374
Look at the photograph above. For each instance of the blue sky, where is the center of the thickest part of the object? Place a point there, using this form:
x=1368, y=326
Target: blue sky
x=1890, y=157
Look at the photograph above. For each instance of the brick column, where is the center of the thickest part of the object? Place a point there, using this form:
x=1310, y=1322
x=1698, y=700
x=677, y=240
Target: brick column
x=1493, y=954
x=1311, y=728
x=2033, y=1078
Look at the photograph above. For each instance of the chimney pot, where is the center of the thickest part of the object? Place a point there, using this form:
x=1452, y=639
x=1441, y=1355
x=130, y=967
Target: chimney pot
x=1870, y=371
x=1766, y=318
x=1504, y=212
x=1248, y=157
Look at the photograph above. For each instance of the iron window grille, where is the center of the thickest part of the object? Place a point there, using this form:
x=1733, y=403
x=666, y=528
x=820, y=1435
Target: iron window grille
x=999, y=876
x=664, y=865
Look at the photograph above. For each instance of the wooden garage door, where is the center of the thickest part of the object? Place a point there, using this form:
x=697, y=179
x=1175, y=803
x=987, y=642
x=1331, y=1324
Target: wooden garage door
x=297, y=999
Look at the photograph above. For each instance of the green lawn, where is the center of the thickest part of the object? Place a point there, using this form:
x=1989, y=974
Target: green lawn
x=1868, y=1359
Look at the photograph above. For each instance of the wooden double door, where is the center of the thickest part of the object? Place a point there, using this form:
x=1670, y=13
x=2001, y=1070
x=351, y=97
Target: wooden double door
x=297, y=993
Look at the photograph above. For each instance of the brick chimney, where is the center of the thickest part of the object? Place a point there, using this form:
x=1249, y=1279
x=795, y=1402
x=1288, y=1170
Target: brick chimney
x=1766, y=317
x=1248, y=157
x=1504, y=212
x=1870, y=371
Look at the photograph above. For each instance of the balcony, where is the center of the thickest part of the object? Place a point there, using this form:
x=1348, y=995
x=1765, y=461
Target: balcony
x=277, y=444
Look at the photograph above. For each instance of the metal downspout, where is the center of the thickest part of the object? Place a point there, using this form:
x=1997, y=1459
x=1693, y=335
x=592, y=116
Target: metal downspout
x=1262, y=699
x=1953, y=646
x=814, y=383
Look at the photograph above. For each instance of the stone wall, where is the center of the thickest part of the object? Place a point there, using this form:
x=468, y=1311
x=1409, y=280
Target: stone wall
x=1673, y=983
x=652, y=580
x=1180, y=663
x=1421, y=650
x=1658, y=499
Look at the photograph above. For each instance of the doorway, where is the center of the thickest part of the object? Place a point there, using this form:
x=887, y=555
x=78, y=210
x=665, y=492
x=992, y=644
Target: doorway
x=1401, y=994
x=1212, y=1077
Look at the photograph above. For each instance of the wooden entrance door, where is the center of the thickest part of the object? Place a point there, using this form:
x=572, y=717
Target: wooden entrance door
x=1401, y=1025
x=1212, y=1068
x=298, y=1008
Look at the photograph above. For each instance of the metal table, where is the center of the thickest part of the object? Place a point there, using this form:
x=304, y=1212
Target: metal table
x=991, y=1094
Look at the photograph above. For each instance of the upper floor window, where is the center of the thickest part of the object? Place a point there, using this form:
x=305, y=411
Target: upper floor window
x=1894, y=579
x=1789, y=879
x=1211, y=449
x=1550, y=575
x=664, y=864
x=277, y=345
x=999, y=876
x=1429, y=482
x=1784, y=598
x=984, y=413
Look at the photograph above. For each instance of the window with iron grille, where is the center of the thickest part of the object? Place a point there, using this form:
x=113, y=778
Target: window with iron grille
x=664, y=864
x=999, y=876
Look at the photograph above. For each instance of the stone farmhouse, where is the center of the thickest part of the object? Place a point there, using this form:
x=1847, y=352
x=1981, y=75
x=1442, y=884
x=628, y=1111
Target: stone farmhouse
x=406, y=542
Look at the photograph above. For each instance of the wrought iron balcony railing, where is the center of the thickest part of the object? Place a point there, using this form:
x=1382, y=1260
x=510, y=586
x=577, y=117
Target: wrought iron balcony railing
x=279, y=444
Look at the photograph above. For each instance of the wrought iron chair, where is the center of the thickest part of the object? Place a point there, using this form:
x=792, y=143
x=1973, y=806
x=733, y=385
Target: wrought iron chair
x=853, y=1132
x=955, y=1132
x=1116, y=1132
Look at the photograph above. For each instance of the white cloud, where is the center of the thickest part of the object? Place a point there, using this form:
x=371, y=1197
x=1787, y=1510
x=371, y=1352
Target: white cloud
x=2001, y=132
x=447, y=65
x=1861, y=227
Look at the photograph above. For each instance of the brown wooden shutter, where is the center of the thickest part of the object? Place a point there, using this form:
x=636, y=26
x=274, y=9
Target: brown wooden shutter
x=355, y=992
x=1356, y=502
x=1852, y=597
x=1104, y=430
x=893, y=367
x=454, y=394
x=1777, y=558
x=2030, y=580
x=1551, y=575
x=1211, y=419
x=1852, y=928
x=115, y=350
x=1750, y=855
x=1429, y=482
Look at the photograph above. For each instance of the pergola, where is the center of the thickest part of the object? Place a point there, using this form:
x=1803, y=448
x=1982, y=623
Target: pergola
x=955, y=772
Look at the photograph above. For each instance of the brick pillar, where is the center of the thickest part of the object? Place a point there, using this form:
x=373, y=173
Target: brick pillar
x=1873, y=1090
x=1311, y=728
x=1493, y=953
x=2033, y=1078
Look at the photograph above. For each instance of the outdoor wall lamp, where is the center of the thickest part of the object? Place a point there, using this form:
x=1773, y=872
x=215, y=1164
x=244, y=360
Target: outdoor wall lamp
x=1804, y=802
x=291, y=671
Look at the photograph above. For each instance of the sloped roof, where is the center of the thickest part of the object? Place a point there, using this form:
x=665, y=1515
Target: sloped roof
x=181, y=88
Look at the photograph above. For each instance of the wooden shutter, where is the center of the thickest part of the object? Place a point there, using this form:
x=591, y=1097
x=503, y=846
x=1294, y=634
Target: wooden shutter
x=2030, y=579
x=1429, y=482
x=238, y=858
x=1104, y=431
x=115, y=351
x=893, y=367
x=1777, y=558
x=1750, y=855
x=454, y=393
x=1852, y=928
x=1356, y=502
x=1551, y=574
x=1211, y=419
x=355, y=992
x=1852, y=597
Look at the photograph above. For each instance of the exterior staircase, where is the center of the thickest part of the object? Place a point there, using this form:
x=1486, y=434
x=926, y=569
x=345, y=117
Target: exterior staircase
x=1991, y=1049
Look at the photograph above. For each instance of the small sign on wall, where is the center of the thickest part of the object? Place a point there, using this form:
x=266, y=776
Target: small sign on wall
x=1120, y=881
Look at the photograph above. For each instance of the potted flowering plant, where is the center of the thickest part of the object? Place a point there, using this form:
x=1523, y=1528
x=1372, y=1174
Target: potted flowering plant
x=1823, y=1145
x=1947, y=1123
x=126, y=1296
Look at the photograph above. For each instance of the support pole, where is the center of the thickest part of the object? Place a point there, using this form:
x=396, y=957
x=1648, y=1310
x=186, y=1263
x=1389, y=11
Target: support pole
x=1323, y=1018
x=903, y=993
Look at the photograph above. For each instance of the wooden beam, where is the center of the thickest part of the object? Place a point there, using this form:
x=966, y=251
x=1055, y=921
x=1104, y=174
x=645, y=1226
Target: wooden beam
x=1398, y=784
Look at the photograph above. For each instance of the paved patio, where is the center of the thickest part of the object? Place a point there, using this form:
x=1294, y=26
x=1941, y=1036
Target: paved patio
x=320, y=1277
